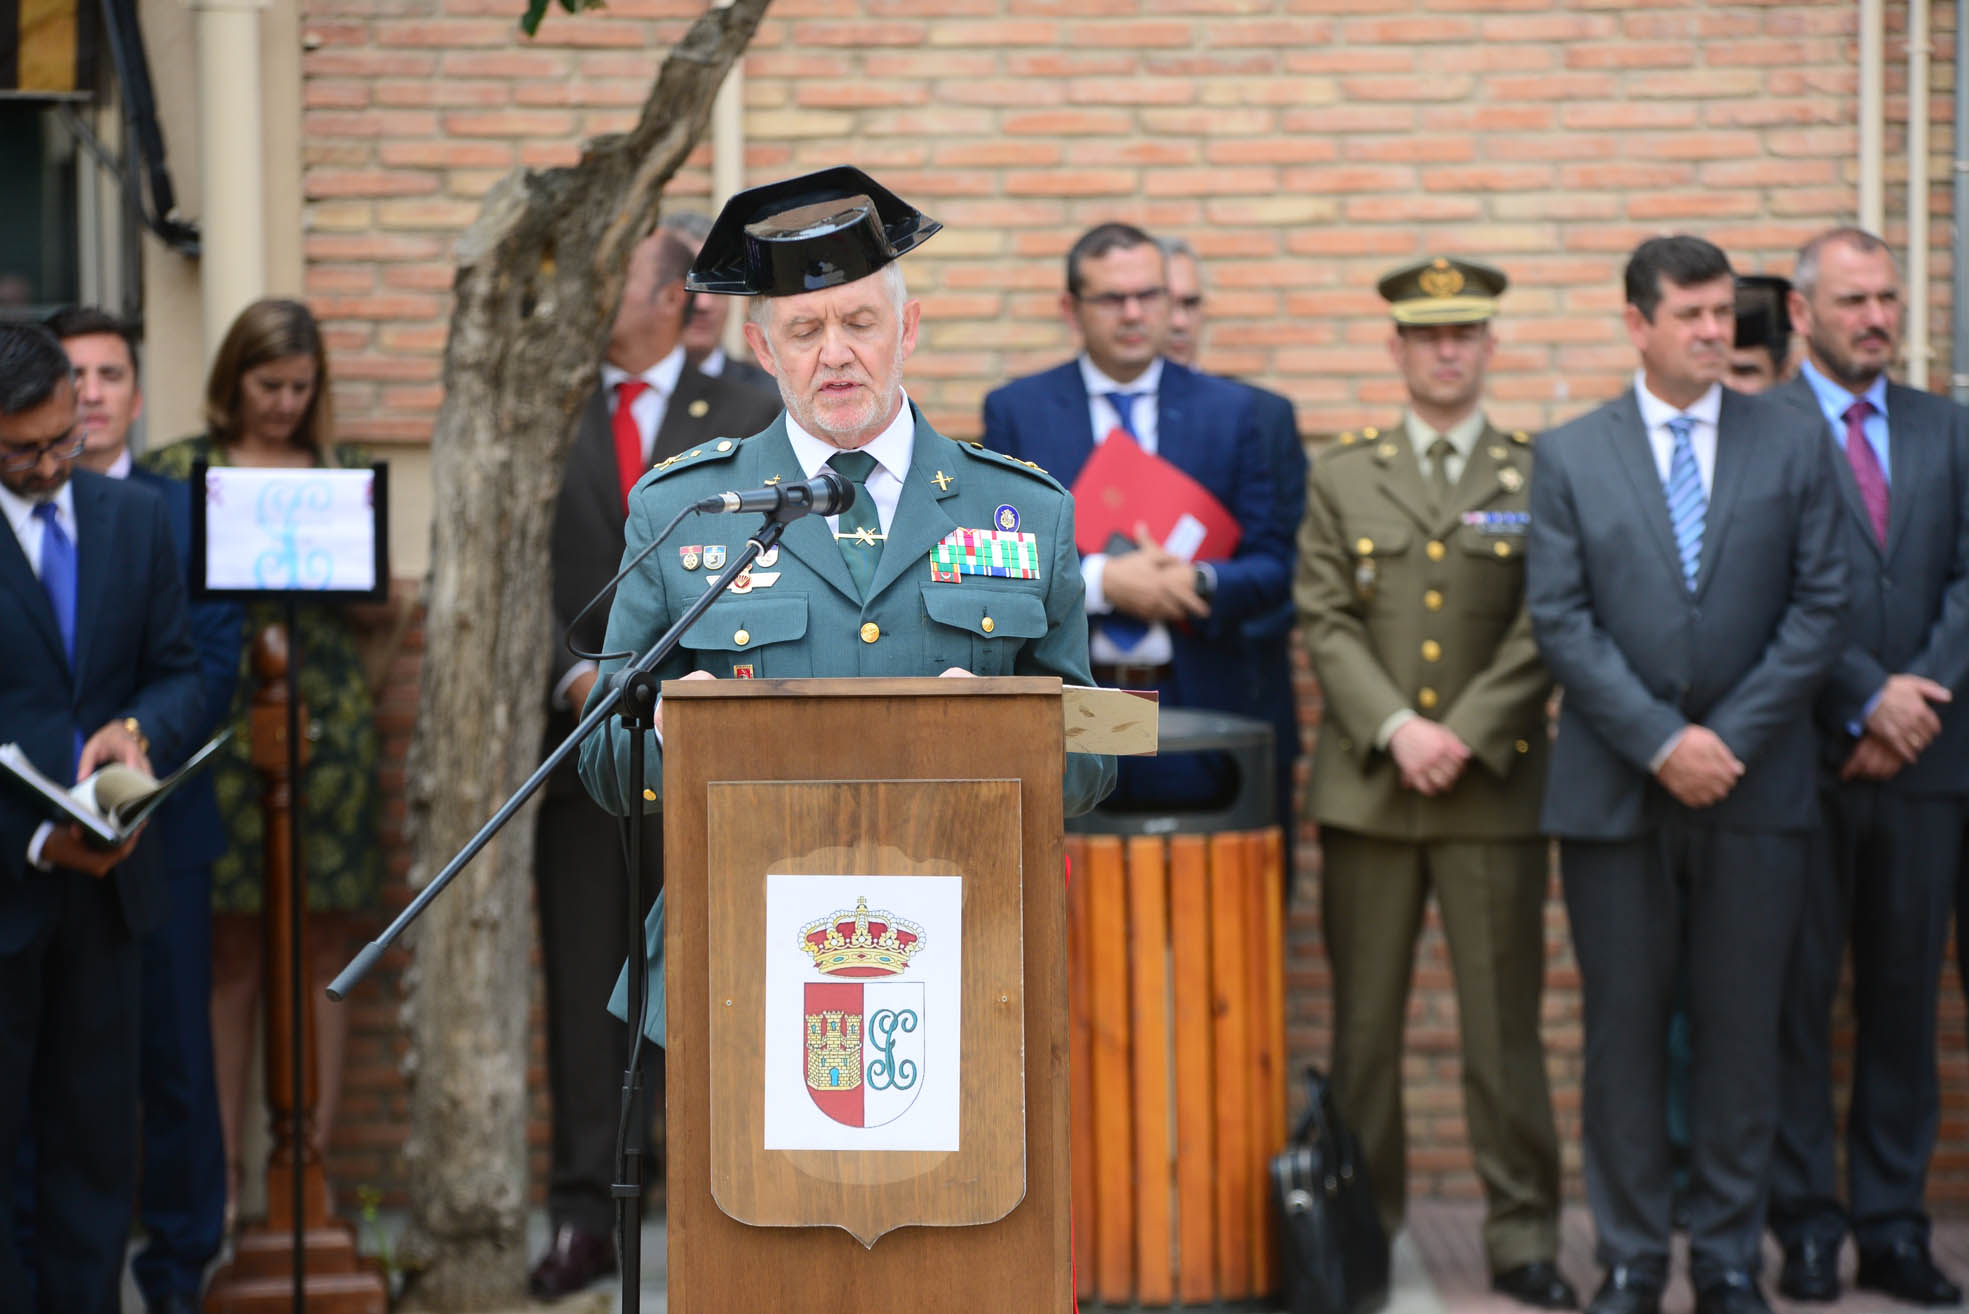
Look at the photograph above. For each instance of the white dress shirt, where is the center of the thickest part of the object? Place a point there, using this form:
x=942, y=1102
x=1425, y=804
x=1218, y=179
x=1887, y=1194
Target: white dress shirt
x=650, y=406
x=1655, y=415
x=1462, y=437
x=1154, y=647
x=892, y=450
x=29, y=531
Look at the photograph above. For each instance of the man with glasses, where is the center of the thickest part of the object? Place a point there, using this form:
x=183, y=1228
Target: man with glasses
x=1158, y=619
x=99, y=669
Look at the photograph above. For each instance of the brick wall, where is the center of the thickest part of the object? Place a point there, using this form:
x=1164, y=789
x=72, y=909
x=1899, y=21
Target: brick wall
x=1302, y=145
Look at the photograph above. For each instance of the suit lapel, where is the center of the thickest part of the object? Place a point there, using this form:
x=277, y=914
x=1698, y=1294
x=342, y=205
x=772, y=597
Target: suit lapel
x=1907, y=470
x=1401, y=478
x=1733, y=453
x=1628, y=438
x=95, y=553
x=807, y=538
x=687, y=417
x=920, y=522
x=1072, y=420
x=17, y=575
x=1799, y=393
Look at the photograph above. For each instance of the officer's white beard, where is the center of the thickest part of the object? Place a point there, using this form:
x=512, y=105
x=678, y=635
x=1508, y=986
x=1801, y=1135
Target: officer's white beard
x=857, y=427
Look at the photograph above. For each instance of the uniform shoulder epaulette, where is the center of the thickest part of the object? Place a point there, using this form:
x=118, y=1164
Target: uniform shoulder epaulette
x=1351, y=441
x=720, y=449
x=1028, y=468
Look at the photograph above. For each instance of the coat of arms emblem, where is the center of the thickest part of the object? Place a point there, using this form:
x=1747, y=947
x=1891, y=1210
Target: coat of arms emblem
x=864, y=1029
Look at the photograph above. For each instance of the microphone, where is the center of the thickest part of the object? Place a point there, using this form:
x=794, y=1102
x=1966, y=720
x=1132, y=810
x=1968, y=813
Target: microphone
x=827, y=493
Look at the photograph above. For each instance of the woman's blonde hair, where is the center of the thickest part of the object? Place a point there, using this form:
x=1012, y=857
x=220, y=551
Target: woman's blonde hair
x=268, y=330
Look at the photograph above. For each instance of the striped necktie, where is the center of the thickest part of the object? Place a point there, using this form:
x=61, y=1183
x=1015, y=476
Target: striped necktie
x=1687, y=503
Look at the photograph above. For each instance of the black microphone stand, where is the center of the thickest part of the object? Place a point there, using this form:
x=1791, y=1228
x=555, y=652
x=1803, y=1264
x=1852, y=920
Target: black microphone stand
x=632, y=696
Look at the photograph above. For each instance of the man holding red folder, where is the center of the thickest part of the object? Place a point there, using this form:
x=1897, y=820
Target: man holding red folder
x=1186, y=527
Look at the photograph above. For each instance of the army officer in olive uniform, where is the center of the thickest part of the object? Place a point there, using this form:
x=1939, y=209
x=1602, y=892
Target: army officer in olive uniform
x=952, y=559
x=1431, y=760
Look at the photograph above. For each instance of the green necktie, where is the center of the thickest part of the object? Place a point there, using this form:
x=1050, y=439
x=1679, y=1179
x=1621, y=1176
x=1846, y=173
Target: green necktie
x=858, y=532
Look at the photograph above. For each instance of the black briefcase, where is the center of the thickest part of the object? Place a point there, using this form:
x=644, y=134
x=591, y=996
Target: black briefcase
x=1333, y=1253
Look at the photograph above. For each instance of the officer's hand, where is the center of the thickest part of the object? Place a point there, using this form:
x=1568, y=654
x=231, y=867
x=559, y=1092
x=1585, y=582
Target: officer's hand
x=1430, y=757
x=1701, y=770
x=1902, y=718
x=1871, y=759
x=657, y=718
x=1152, y=585
x=65, y=847
x=112, y=743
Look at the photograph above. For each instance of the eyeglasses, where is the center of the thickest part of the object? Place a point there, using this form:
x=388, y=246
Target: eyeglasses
x=17, y=457
x=1115, y=301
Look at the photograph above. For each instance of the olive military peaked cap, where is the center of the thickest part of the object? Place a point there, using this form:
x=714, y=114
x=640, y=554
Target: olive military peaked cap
x=1763, y=311
x=1443, y=290
x=803, y=234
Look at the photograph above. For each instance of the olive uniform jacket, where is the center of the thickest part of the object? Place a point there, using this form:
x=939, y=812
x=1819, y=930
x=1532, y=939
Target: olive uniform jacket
x=810, y=620
x=1403, y=604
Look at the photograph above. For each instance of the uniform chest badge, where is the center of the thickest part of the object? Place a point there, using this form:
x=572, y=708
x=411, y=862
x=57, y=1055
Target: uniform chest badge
x=691, y=556
x=1509, y=479
x=769, y=558
x=1006, y=519
x=714, y=557
x=1497, y=522
x=752, y=579
x=991, y=552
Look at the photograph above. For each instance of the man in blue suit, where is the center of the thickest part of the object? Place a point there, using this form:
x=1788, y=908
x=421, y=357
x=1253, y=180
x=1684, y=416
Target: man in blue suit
x=100, y=669
x=1203, y=634
x=183, y=1203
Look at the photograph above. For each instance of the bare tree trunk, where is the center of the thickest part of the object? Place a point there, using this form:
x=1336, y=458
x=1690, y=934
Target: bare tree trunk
x=539, y=275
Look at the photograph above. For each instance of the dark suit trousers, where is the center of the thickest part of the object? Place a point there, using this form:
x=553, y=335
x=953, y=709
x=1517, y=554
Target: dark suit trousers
x=68, y=1078
x=1724, y=904
x=1882, y=874
x=183, y=1201
x=581, y=889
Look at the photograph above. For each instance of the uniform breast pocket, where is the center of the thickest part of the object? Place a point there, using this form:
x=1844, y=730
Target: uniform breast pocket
x=978, y=628
x=1378, y=550
x=759, y=638
x=1492, y=576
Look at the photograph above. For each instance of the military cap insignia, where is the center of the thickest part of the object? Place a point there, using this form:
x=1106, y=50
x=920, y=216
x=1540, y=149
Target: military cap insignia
x=1441, y=279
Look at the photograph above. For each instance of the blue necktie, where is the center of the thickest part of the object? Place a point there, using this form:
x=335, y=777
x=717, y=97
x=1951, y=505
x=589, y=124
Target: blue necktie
x=1124, y=406
x=1687, y=504
x=58, y=573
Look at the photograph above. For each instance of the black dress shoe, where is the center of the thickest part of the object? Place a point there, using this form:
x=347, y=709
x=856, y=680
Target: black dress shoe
x=1811, y=1272
x=1537, y=1284
x=1627, y=1291
x=575, y=1260
x=1733, y=1293
x=1905, y=1272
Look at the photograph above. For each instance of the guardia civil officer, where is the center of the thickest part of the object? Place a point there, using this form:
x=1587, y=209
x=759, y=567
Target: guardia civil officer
x=1431, y=760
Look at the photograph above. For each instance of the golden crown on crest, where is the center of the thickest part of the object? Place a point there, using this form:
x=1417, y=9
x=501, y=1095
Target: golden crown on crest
x=861, y=943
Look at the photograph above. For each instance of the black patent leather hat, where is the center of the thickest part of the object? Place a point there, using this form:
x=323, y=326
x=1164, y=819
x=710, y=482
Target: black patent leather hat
x=1763, y=310
x=807, y=233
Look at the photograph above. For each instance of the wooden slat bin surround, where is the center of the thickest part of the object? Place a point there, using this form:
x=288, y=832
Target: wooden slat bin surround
x=1176, y=989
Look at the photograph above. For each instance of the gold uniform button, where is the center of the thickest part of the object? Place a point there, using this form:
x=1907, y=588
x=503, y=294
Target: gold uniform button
x=1431, y=651
x=649, y=796
x=1364, y=547
x=1436, y=550
x=1433, y=600
x=722, y=446
x=742, y=638
x=1426, y=699
x=1502, y=549
x=987, y=625
x=1522, y=746
x=870, y=632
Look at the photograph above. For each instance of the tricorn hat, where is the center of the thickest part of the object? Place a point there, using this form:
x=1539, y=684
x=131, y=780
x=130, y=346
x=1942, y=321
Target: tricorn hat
x=1763, y=310
x=1443, y=290
x=803, y=234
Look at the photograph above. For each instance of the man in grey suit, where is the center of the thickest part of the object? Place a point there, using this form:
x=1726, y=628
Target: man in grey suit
x=1893, y=770
x=1686, y=587
x=650, y=405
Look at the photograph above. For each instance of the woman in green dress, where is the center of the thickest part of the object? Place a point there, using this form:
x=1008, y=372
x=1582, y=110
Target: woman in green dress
x=267, y=404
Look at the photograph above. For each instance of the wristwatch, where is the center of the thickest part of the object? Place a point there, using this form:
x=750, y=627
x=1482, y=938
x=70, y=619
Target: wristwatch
x=1206, y=581
x=143, y=741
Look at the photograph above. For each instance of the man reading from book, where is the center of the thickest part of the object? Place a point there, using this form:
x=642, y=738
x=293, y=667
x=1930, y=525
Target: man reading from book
x=99, y=664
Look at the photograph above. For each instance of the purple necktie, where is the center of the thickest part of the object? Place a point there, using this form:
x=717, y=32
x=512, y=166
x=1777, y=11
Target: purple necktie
x=1866, y=467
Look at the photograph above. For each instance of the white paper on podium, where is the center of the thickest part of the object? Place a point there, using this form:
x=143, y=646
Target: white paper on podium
x=897, y=1088
x=277, y=529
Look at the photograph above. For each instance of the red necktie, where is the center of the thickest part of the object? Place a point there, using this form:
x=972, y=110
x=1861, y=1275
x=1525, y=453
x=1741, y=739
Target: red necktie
x=629, y=464
x=1866, y=467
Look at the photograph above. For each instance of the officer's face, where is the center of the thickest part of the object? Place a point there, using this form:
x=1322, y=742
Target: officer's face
x=1122, y=310
x=1185, y=310
x=1443, y=364
x=838, y=356
x=1852, y=319
x=1686, y=346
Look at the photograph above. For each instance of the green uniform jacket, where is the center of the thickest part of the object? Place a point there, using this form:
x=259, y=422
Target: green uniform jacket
x=1406, y=605
x=810, y=621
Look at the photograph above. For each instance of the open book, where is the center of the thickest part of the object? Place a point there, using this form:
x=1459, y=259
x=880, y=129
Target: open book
x=112, y=802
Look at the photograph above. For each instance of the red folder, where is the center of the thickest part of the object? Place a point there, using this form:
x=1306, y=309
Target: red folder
x=1122, y=486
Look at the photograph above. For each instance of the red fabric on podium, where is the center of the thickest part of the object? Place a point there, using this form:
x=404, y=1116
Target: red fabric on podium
x=628, y=438
x=1122, y=486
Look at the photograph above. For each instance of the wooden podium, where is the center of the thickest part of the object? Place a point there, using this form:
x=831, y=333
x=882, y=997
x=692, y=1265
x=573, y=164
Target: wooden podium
x=874, y=779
